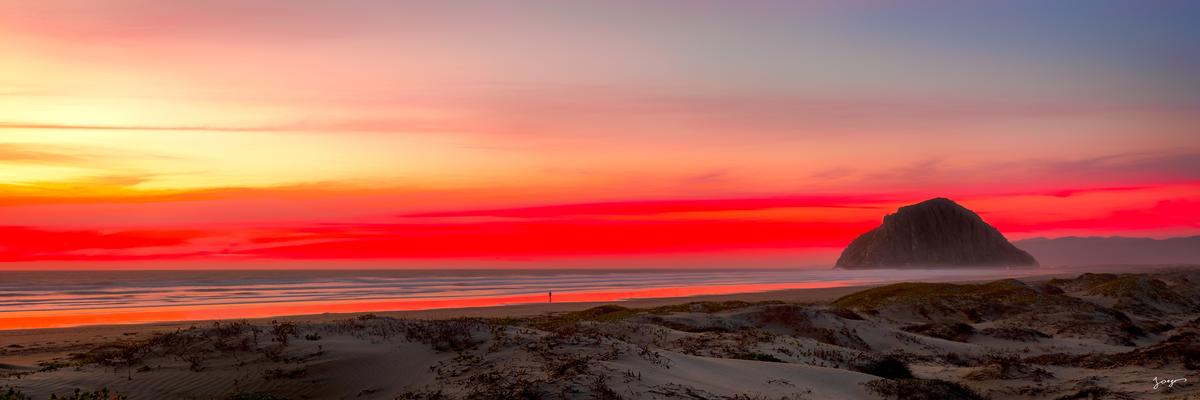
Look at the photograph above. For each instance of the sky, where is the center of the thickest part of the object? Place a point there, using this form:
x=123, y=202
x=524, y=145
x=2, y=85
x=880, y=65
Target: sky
x=549, y=134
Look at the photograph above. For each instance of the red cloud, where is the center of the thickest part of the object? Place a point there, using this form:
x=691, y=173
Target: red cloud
x=561, y=238
x=1164, y=214
x=548, y=232
x=28, y=244
x=524, y=239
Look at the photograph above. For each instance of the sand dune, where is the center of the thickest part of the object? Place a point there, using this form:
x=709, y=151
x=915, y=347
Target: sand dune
x=1087, y=336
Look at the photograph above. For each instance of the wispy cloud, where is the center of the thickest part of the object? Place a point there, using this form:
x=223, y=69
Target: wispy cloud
x=1056, y=177
x=651, y=207
x=34, y=126
x=1172, y=213
x=1145, y=165
x=363, y=125
x=27, y=244
x=23, y=153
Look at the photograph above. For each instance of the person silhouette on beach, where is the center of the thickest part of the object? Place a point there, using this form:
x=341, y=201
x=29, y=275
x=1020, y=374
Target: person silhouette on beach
x=550, y=297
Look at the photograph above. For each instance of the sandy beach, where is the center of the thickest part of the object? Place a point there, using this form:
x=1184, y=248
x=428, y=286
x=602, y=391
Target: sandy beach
x=1038, y=338
x=25, y=351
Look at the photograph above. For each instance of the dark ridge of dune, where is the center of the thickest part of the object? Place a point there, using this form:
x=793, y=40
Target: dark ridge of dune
x=933, y=233
x=1139, y=294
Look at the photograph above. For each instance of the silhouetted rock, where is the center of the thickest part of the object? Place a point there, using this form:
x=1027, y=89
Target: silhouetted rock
x=933, y=233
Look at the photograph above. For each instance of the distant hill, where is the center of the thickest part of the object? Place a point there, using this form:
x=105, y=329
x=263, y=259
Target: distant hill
x=933, y=233
x=1113, y=250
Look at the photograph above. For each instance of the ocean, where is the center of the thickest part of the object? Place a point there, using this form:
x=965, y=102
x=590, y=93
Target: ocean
x=39, y=299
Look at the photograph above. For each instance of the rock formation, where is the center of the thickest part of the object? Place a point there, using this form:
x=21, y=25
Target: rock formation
x=933, y=233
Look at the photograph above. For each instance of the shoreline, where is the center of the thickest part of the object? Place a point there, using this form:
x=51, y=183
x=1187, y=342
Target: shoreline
x=805, y=295
x=795, y=295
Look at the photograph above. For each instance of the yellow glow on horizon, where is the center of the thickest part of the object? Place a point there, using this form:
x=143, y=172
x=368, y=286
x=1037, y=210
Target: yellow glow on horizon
x=186, y=160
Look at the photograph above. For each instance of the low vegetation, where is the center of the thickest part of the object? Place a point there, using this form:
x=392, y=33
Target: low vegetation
x=101, y=394
x=921, y=389
x=253, y=396
x=12, y=393
x=886, y=367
